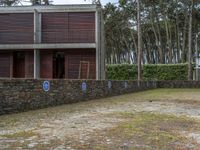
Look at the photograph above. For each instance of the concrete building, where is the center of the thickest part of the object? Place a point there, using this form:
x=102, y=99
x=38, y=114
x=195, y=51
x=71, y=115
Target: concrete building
x=64, y=41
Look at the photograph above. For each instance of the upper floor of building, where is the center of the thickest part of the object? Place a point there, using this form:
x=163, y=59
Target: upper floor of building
x=62, y=24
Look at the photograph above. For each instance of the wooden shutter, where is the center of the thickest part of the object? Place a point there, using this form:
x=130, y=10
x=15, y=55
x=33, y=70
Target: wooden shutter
x=82, y=27
x=4, y=64
x=54, y=27
x=29, y=64
x=46, y=64
x=16, y=28
x=68, y=27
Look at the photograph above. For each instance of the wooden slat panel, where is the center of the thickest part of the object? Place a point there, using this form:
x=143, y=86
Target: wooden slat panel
x=68, y=27
x=29, y=64
x=79, y=20
x=81, y=36
x=54, y=27
x=82, y=27
x=5, y=64
x=73, y=63
x=16, y=28
x=46, y=64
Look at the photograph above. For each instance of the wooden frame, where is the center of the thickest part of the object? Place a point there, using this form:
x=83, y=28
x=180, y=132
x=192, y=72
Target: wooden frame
x=88, y=68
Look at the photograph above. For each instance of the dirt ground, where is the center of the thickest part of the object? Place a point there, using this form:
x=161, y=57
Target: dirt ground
x=155, y=119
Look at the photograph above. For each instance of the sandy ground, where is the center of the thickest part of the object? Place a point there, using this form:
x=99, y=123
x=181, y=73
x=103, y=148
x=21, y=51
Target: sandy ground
x=64, y=127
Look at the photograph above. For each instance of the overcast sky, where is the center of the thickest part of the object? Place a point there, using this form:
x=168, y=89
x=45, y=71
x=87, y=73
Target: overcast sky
x=60, y=2
x=81, y=1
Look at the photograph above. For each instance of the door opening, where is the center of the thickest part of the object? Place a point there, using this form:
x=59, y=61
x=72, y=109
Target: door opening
x=59, y=65
x=19, y=64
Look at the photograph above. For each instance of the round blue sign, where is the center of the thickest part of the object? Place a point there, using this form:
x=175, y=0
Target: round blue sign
x=84, y=87
x=46, y=86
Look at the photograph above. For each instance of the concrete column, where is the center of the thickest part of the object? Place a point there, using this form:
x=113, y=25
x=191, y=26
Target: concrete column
x=97, y=45
x=36, y=64
x=37, y=40
x=100, y=50
x=11, y=64
x=197, y=74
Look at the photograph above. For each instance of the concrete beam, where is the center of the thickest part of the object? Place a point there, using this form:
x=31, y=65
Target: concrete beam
x=47, y=46
x=49, y=8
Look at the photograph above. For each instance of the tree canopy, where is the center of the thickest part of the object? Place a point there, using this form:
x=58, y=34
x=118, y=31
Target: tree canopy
x=164, y=26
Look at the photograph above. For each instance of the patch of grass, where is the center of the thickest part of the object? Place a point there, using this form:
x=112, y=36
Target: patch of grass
x=38, y=146
x=155, y=130
x=21, y=134
x=145, y=131
x=168, y=94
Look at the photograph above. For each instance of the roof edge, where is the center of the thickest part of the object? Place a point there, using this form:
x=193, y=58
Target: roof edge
x=50, y=8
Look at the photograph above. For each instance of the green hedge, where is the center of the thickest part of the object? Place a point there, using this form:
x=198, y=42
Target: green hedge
x=121, y=72
x=165, y=72
x=149, y=72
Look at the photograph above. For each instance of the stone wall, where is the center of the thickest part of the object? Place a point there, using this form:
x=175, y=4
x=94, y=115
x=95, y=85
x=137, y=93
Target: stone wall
x=17, y=95
x=178, y=84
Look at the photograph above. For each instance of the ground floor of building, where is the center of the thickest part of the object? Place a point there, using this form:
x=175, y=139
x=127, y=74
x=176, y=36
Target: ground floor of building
x=53, y=64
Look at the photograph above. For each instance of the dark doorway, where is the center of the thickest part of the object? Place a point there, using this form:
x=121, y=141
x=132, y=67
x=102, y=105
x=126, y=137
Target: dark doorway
x=19, y=64
x=59, y=65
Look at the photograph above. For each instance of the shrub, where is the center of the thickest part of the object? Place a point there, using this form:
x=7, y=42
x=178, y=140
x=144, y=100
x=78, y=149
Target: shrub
x=165, y=72
x=150, y=72
x=121, y=72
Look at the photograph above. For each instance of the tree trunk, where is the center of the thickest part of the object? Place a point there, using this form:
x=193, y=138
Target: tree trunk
x=135, y=46
x=183, y=56
x=178, y=47
x=161, y=60
x=139, y=42
x=190, y=44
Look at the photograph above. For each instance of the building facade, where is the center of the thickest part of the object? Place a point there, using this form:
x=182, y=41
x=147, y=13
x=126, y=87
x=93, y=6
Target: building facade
x=61, y=42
